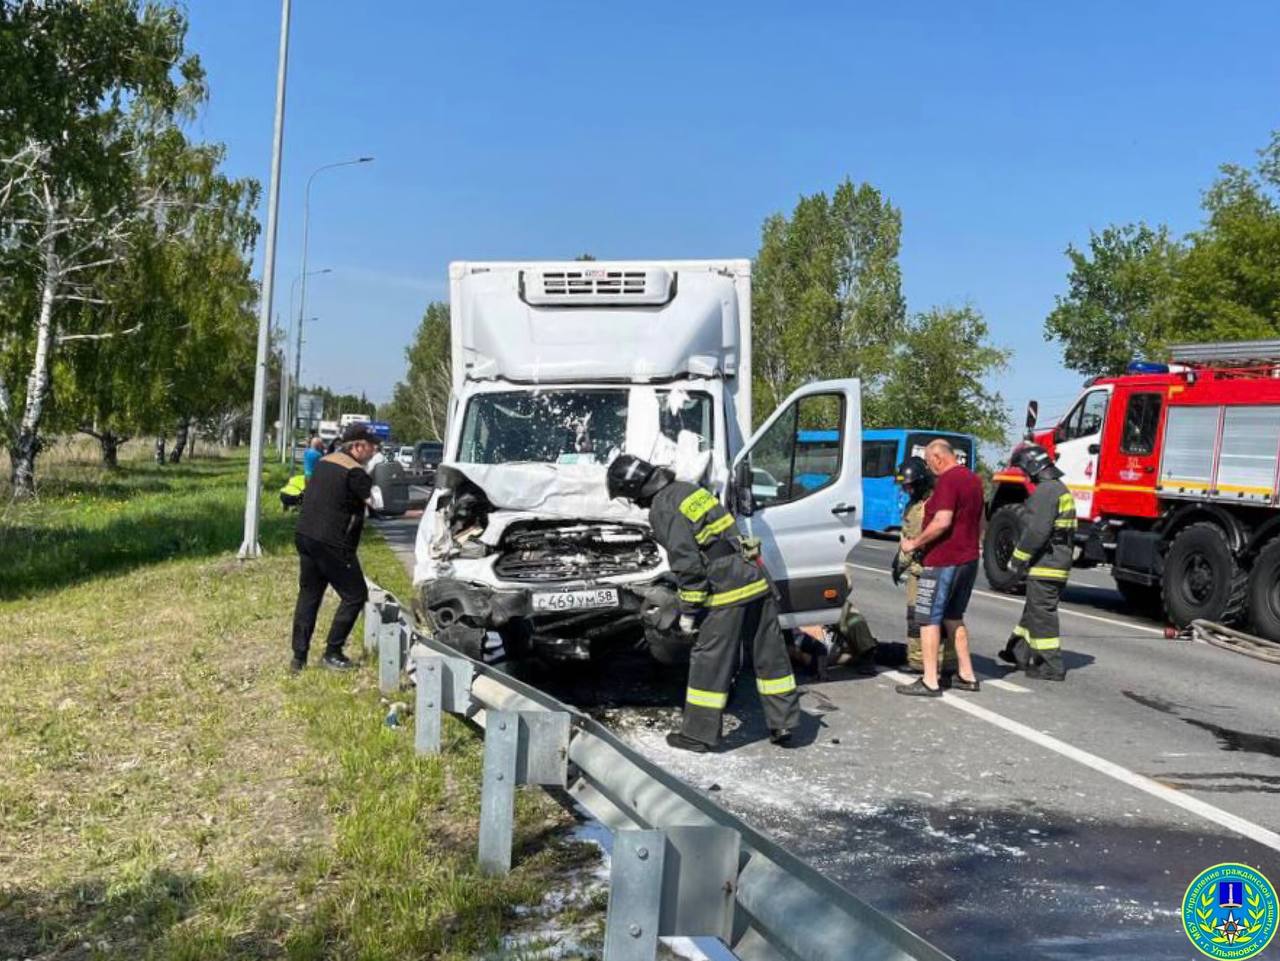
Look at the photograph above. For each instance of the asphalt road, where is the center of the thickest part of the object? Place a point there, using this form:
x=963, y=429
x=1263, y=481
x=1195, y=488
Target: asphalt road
x=1030, y=820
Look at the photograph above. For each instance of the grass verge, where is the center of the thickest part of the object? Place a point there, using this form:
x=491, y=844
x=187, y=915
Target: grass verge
x=170, y=791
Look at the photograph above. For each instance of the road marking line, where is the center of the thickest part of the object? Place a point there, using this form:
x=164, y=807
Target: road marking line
x=1061, y=610
x=1006, y=685
x=1232, y=822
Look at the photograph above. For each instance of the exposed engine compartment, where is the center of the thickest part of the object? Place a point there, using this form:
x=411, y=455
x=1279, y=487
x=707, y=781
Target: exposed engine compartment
x=538, y=552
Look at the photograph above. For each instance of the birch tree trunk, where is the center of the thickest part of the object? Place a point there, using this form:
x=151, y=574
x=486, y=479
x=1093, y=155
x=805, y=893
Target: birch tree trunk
x=22, y=454
x=179, y=441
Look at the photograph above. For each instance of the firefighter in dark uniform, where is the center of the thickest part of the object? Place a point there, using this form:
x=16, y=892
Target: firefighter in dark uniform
x=722, y=596
x=1043, y=554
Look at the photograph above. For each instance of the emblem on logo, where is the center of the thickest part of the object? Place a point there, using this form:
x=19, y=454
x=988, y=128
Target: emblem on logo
x=1230, y=911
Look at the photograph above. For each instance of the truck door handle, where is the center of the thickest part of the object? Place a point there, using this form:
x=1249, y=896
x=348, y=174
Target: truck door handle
x=1148, y=469
x=844, y=509
x=1095, y=448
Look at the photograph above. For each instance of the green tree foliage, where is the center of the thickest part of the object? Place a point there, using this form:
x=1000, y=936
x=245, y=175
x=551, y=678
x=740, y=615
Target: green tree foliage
x=1120, y=301
x=937, y=376
x=827, y=302
x=127, y=301
x=420, y=403
x=1138, y=289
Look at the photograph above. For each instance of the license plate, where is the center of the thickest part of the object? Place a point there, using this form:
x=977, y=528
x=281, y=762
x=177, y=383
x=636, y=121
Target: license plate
x=576, y=600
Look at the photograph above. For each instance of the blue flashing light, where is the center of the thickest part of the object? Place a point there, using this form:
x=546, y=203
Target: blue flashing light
x=1146, y=367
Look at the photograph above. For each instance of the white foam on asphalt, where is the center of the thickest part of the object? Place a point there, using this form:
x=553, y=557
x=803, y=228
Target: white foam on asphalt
x=1061, y=610
x=1232, y=822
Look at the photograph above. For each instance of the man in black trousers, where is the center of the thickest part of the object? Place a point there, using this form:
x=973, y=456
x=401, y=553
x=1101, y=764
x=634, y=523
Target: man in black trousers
x=328, y=535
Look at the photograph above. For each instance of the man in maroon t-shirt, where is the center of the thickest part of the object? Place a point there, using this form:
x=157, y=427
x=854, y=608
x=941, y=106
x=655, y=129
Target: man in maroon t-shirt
x=952, y=528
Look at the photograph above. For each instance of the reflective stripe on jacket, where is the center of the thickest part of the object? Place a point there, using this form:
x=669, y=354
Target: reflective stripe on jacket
x=1047, y=544
x=703, y=549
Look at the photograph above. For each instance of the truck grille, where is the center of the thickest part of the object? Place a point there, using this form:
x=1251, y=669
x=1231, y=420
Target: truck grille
x=543, y=554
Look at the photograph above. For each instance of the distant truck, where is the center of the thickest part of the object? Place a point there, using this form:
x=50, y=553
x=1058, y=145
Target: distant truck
x=329, y=430
x=882, y=451
x=1175, y=471
x=560, y=366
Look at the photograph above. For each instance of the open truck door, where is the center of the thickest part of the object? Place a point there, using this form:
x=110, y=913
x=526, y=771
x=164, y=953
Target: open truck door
x=798, y=488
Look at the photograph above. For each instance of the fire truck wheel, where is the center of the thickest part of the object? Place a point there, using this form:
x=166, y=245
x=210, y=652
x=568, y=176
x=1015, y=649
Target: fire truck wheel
x=1264, y=592
x=1201, y=577
x=1003, y=531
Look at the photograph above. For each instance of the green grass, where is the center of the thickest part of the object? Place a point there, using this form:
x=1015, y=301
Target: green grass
x=170, y=791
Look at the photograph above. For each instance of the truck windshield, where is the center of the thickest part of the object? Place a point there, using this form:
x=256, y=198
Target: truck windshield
x=578, y=426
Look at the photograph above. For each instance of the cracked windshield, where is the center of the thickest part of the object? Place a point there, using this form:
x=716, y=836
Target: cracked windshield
x=581, y=426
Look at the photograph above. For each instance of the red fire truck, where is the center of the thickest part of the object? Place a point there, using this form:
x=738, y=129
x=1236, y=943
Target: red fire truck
x=1174, y=472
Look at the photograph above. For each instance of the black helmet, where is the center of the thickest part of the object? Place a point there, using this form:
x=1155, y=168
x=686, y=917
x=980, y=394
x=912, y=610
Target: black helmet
x=914, y=476
x=1034, y=461
x=635, y=479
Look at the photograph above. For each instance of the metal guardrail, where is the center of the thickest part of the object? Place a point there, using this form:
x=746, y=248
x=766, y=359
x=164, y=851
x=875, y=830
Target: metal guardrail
x=681, y=865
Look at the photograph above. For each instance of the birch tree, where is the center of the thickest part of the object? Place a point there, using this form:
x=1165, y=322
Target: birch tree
x=93, y=74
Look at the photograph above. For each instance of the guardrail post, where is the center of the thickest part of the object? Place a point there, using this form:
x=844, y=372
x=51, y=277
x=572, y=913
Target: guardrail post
x=429, y=676
x=390, y=648
x=498, y=796
x=520, y=747
x=444, y=684
x=635, y=895
x=373, y=618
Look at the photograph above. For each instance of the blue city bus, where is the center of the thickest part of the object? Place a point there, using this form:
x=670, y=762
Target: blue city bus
x=882, y=451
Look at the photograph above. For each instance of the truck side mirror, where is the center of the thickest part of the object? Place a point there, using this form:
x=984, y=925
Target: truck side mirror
x=742, y=500
x=1033, y=413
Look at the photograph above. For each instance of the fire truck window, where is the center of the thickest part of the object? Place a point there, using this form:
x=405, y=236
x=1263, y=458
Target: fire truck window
x=1085, y=420
x=1141, y=422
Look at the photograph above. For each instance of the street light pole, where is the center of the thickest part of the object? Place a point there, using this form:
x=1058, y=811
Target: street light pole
x=285, y=379
x=249, y=546
x=297, y=379
x=306, y=237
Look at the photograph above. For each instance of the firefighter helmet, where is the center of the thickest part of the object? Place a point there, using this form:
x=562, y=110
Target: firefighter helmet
x=914, y=476
x=1035, y=462
x=635, y=479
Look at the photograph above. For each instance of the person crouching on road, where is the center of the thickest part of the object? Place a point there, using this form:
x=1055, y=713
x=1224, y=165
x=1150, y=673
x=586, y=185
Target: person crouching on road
x=722, y=596
x=952, y=528
x=916, y=481
x=328, y=535
x=1043, y=555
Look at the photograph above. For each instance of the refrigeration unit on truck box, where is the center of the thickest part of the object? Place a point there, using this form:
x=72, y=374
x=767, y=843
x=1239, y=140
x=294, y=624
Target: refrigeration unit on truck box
x=1174, y=470
x=557, y=367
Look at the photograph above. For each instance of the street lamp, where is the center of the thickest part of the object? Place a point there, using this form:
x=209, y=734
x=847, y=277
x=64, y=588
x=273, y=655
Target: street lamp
x=297, y=380
x=306, y=236
x=286, y=432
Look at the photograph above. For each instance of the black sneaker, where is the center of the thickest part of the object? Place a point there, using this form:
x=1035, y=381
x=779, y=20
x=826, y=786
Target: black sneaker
x=960, y=684
x=297, y=665
x=680, y=742
x=338, y=662
x=919, y=688
x=781, y=737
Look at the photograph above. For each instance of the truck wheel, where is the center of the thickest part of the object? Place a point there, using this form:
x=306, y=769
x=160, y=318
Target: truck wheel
x=1201, y=577
x=1003, y=531
x=1264, y=592
x=1143, y=598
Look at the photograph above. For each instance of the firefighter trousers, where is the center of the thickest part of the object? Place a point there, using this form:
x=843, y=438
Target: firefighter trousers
x=714, y=662
x=1035, y=639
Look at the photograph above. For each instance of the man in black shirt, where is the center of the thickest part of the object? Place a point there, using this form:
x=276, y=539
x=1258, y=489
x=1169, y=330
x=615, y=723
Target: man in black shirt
x=328, y=534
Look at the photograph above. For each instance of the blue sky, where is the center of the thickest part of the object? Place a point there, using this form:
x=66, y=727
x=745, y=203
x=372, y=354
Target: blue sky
x=542, y=130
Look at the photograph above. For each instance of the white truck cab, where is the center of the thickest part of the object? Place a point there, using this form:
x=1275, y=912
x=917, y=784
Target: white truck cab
x=558, y=367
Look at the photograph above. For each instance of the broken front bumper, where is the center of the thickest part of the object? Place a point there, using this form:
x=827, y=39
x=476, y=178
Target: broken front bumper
x=460, y=613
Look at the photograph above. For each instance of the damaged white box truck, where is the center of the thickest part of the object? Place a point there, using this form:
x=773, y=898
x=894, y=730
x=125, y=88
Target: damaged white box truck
x=560, y=366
